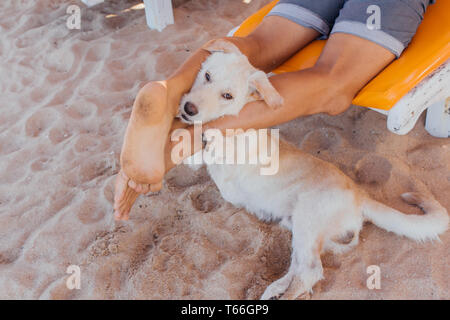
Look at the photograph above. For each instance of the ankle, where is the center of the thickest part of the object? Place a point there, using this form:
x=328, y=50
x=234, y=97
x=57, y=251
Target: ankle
x=151, y=174
x=174, y=93
x=158, y=93
x=336, y=96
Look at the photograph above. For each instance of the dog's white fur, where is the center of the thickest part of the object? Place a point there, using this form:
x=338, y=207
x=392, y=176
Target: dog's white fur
x=229, y=73
x=315, y=200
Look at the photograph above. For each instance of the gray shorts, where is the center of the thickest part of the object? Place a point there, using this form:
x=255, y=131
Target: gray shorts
x=389, y=23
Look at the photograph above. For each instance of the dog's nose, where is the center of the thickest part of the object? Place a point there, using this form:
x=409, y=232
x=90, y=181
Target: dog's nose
x=190, y=108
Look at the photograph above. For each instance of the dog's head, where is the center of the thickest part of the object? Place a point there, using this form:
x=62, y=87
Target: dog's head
x=225, y=83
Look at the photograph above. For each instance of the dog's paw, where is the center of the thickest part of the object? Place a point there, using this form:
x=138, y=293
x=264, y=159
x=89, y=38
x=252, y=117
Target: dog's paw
x=297, y=293
x=269, y=296
x=274, y=100
x=260, y=85
x=276, y=290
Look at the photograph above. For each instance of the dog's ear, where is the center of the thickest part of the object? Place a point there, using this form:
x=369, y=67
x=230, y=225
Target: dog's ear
x=260, y=88
x=221, y=45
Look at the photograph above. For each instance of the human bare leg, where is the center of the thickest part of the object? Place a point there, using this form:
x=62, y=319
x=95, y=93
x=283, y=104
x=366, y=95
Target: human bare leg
x=346, y=65
x=142, y=156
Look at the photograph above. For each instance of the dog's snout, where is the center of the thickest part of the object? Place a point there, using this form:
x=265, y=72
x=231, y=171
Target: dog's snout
x=190, y=108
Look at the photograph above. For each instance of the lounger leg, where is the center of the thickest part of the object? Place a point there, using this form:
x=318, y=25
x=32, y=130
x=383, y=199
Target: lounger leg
x=434, y=88
x=159, y=13
x=91, y=3
x=438, y=119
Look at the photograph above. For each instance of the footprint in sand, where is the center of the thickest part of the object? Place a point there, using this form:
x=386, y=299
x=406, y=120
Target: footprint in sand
x=15, y=168
x=436, y=156
x=318, y=140
x=206, y=200
x=60, y=60
x=40, y=164
x=169, y=61
x=80, y=109
x=108, y=190
x=98, y=52
x=86, y=143
x=8, y=257
x=8, y=144
x=106, y=243
x=90, y=211
x=27, y=39
x=59, y=133
x=88, y=169
x=373, y=169
x=182, y=177
x=40, y=121
x=113, y=125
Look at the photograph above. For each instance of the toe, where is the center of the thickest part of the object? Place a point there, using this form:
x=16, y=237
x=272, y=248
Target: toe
x=125, y=205
x=120, y=186
x=156, y=187
x=145, y=188
x=142, y=188
x=132, y=184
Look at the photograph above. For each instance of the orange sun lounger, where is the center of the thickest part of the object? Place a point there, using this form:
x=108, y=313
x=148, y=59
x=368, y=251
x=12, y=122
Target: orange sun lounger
x=424, y=66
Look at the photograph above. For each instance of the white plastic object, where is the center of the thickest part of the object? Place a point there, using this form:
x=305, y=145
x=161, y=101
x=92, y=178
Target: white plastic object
x=159, y=13
x=91, y=3
x=433, y=90
x=438, y=119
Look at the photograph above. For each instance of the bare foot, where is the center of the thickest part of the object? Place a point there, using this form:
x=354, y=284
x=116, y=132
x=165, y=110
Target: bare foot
x=126, y=193
x=142, y=156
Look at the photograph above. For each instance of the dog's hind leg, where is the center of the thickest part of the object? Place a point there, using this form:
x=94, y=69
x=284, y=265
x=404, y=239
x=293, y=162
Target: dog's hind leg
x=305, y=270
x=277, y=288
x=308, y=268
x=343, y=243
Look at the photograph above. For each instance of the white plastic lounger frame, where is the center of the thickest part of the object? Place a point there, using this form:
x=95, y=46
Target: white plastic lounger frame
x=432, y=93
x=159, y=13
x=438, y=119
x=91, y=3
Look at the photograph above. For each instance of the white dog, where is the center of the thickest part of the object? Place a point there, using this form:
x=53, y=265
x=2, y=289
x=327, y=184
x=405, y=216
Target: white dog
x=323, y=208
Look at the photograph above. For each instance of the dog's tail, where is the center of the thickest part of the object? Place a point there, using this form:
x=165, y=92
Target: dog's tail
x=417, y=227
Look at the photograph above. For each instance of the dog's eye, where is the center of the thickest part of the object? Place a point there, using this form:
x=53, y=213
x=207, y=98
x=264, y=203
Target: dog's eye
x=207, y=76
x=227, y=96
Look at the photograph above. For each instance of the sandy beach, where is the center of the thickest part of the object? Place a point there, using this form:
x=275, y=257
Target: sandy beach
x=66, y=97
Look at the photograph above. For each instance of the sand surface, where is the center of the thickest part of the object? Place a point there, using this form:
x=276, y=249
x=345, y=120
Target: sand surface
x=66, y=96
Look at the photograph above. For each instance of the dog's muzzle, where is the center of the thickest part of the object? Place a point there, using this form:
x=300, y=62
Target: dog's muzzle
x=190, y=108
x=185, y=118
